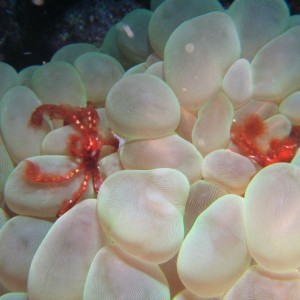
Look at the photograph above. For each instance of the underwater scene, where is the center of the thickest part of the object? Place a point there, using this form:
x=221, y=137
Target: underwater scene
x=150, y=150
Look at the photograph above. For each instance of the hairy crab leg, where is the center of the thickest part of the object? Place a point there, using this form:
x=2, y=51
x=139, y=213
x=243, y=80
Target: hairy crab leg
x=68, y=204
x=64, y=112
x=97, y=179
x=34, y=174
x=91, y=118
x=73, y=142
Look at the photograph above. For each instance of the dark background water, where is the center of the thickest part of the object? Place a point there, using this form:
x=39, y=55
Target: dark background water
x=32, y=30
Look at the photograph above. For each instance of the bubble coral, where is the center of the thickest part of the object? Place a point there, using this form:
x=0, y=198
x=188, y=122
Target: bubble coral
x=200, y=200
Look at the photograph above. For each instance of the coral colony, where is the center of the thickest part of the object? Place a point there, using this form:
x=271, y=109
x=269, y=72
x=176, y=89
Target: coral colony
x=163, y=165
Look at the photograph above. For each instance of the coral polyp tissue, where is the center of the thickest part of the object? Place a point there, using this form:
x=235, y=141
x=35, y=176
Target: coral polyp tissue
x=163, y=165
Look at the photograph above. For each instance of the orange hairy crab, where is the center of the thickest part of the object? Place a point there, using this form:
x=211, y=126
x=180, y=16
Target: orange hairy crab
x=245, y=136
x=84, y=148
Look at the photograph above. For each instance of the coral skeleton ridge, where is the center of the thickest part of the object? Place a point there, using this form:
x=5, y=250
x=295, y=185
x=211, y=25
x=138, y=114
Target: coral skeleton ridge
x=163, y=165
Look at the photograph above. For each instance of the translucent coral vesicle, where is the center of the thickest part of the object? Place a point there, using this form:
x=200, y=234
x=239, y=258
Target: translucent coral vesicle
x=83, y=147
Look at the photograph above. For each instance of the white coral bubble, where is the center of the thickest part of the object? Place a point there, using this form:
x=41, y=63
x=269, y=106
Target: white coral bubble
x=98, y=72
x=9, y=78
x=187, y=295
x=258, y=22
x=20, y=237
x=214, y=254
x=290, y=107
x=276, y=67
x=168, y=152
x=263, y=109
x=116, y=275
x=60, y=266
x=143, y=211
x=202, y=195
x=258, y=284
x=21, y=139
x=14, y=296
x=170, y=14
x=142, y=106
x=6, y=167
x=197, y=56
x=212, y=128
x=237, y=82
x=272, y=221
x=230, y=170
x=71, y=52
x=3, y=217
x=57, y=82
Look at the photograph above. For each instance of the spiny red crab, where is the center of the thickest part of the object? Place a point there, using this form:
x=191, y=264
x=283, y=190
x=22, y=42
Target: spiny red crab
x=245, y=136
x=84, y=148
